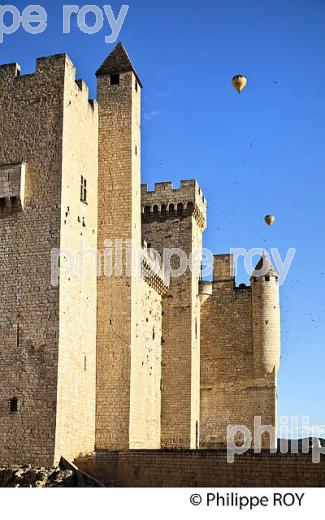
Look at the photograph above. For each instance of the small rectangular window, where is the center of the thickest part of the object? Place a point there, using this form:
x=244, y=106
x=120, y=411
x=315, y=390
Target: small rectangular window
x=114, y=79
x=197, y=435
x=83, y=190
x=14, y=404
x=136, y=86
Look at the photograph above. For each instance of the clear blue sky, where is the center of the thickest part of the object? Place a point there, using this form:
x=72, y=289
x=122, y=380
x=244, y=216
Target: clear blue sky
x=257, y=153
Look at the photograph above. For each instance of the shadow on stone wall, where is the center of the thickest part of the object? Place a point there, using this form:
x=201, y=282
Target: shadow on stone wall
x=203, y=468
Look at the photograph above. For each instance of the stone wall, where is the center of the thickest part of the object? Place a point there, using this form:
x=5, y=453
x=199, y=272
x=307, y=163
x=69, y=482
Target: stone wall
x=76, y=385
x=31, y=126
x=203, y=468
x=129, y=312
x=47, y=354
x=174, y=219
x=145, y=410
x=232, y=391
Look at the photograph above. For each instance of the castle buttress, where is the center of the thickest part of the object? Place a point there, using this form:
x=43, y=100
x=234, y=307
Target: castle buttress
x=113, y=359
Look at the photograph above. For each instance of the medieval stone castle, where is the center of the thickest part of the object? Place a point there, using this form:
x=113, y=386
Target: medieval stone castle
x=105, y=362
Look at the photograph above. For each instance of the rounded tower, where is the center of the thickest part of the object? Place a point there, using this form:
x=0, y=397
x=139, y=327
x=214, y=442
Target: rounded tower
x=266, y=317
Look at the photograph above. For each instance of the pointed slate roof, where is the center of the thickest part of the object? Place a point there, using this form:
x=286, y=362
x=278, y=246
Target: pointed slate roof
x=264, y=263
x=118, y=62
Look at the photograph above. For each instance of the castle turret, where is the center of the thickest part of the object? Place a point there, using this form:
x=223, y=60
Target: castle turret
x=266, y=317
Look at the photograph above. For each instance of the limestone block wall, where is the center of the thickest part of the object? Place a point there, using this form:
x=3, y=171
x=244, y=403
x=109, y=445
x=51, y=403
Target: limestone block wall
x=145, y=406
x=47, y=392
x=31, y=124
x=128, y=346
x=115, y=222
x=203, y=468
x=232, y=392
x=76, y=390
x=266, y=323
x=146, y=322
x=175, y=219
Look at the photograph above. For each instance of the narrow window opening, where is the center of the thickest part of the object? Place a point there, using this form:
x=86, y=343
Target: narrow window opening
x=153, y=333
x=114, y=79
x=136, y=86
x=267, y=278
x=83, y=190
x=180, y=208
x=14, y=202
x=14, y=404
x=136, y=150
x=85, y=363
x=190, y=208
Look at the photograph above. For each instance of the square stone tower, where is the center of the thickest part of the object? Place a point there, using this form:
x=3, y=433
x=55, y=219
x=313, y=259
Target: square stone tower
x=172, y=222
x=48, y=148
x=129, y=311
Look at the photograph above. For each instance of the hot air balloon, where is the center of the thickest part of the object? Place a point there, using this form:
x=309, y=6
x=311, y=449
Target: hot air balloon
x=269, y=220
x=239, y=82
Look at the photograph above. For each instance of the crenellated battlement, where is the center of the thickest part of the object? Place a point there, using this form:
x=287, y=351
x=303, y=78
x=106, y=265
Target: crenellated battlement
x=10, y=69
x=82, y=86
x=83, y=89
x=43, y=64
x=165, y=201
x=49, y=63
x=168, y=186
x=48, y=70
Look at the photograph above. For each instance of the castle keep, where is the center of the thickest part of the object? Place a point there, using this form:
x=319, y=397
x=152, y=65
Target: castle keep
x=120, y=357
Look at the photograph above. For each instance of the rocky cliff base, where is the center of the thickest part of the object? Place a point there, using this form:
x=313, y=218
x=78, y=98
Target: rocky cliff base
x=66, y=475
x=26, y=476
